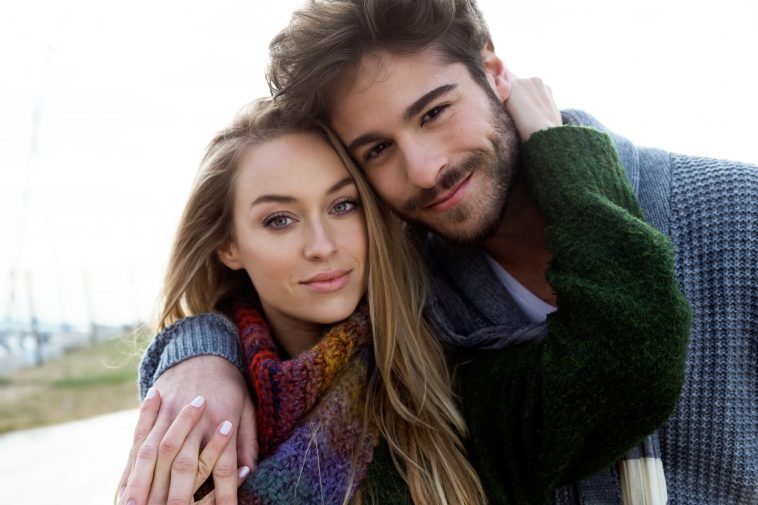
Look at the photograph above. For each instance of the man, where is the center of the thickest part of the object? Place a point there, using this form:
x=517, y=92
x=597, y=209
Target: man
x=415, y=89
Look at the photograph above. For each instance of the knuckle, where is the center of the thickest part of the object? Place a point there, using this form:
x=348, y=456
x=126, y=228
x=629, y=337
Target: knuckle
x=140, y=434
x=146, y=452
x=176, y=500
x=185, y=465
x=224, y=470
x=168, y=447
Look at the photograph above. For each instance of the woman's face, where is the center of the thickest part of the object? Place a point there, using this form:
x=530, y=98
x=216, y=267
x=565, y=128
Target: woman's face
x=299, y=232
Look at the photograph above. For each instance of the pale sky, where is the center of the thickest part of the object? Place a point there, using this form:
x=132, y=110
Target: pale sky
x=126, y=95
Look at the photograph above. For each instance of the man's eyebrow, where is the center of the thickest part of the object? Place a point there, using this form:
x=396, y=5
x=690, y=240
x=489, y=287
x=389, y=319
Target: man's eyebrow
x=272, y=197
x=409, y=113
x=422, y=102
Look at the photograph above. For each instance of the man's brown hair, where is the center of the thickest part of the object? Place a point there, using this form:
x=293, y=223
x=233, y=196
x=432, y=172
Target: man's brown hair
x=327, y=37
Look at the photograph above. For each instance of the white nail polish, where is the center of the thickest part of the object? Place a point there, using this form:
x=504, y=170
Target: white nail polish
x=226, y=428
x=198, y=401
x=244, y=471
x=150, y=394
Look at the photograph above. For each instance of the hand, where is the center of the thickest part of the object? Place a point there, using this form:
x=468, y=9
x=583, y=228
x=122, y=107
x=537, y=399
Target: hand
x=152, y=475
x=531, y=106
x=175, y=437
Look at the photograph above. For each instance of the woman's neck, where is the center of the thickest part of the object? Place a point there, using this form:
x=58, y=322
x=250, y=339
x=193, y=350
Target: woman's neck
x=293, y=336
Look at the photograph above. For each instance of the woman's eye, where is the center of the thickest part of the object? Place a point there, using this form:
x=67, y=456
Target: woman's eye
x=344, y=206
x=433, y=113
x=277, y=222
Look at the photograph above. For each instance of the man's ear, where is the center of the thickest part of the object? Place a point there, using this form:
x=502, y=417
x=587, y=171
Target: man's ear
x=497, y=75
x=229, y=255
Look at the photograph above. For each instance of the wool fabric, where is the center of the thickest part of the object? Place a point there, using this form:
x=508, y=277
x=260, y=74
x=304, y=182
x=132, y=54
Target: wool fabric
x=311, y=438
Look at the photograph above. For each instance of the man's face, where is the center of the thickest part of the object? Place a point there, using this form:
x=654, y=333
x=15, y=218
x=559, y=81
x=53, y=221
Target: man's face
x=436, y=146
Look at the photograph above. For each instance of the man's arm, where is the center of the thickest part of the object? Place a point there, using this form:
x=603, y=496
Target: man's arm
x=197, y=356
x=200, y=335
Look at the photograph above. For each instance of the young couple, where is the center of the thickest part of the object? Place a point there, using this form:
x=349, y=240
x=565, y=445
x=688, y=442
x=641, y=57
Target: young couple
x=367, y=385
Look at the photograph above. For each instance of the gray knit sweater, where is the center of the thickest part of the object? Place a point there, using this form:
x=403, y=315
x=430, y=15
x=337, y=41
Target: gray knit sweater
x=709, y=208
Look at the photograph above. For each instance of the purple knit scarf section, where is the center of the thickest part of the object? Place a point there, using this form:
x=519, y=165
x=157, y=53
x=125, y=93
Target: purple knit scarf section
x=316, y=451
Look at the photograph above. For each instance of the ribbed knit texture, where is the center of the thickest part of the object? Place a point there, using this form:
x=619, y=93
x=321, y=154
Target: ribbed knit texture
x=203, y=334
x=710, y=446
x=309, y=412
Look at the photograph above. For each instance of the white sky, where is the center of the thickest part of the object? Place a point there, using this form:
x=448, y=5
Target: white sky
x=127, y=95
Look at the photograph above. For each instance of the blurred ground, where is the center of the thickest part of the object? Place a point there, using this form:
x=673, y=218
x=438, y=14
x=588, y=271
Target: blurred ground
x=77, y=462
x=72, y=463
x=83, y=383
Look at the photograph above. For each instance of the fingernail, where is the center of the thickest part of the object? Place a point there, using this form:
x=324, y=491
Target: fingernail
x=131, y=501
x=226, y=428
x=150, y=394
x=244, y=472
x=198, y=401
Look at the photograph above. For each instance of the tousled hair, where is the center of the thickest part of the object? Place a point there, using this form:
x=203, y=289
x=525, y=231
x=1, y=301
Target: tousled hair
x=327, y=38
x=409, y=398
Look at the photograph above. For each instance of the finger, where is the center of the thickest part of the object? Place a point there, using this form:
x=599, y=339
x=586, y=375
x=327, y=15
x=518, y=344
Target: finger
x=177, y=455
x=147, y=415
x=141, y=477
x=225, y=476
x=210, y=498
x=212, y=452
x=247, y=436
x=183, y=473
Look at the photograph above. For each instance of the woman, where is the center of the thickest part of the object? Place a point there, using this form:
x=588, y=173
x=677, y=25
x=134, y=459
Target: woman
x=274, y=237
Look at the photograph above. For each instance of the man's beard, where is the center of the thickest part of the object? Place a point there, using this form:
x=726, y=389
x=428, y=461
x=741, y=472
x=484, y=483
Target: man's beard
x=497, y=166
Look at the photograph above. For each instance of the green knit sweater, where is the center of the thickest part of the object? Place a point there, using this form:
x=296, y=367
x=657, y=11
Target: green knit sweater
x=544, y=414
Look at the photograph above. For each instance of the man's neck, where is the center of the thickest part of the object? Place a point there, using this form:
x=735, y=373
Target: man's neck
x=519, y=244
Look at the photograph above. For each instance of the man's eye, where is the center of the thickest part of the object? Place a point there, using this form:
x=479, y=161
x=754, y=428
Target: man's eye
x=376, y=150
x=433, y=113
x=277, y=222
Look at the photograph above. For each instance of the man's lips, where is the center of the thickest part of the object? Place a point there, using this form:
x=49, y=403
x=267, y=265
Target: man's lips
x=326, y=282
x=451, y=198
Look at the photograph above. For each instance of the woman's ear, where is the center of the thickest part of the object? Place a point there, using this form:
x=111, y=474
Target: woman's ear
x=497, y=75
x=229, y=255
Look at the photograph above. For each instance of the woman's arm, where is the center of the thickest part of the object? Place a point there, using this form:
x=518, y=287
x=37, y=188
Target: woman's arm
x=612, y=366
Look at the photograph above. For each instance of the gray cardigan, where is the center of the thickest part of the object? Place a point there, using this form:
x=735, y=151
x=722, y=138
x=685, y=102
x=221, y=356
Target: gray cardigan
x=709, y=208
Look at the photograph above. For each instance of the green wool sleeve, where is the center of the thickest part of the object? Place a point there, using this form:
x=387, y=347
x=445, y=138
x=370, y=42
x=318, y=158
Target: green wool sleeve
x=611, y=368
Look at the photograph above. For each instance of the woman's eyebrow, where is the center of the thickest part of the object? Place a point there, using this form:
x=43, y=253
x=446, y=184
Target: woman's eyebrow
x=275, y=198
x=341, y=184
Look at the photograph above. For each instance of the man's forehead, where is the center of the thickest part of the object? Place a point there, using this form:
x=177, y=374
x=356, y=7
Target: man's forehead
x=379, y=74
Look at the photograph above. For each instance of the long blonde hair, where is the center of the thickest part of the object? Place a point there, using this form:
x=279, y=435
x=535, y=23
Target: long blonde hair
x=410, y=399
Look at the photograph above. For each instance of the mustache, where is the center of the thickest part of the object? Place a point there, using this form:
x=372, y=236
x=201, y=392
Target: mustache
x=449, y=179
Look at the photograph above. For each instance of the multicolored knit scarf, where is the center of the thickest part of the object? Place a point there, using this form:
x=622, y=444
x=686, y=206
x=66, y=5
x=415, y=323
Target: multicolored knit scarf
x=309, y=412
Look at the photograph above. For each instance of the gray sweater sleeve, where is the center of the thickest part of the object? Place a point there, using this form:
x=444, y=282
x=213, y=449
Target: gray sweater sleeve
x=203, y=334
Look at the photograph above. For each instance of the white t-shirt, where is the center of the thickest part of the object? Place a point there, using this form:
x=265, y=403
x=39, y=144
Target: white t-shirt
x=535, y=308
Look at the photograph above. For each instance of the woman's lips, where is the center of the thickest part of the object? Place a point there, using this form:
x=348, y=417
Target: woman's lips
x=327, y=282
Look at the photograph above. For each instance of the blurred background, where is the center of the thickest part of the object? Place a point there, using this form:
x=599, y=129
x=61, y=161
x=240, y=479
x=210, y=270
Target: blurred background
x=106, y=107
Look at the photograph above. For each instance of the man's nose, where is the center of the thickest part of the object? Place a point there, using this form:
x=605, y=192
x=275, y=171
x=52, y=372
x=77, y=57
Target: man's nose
x=424, y=162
